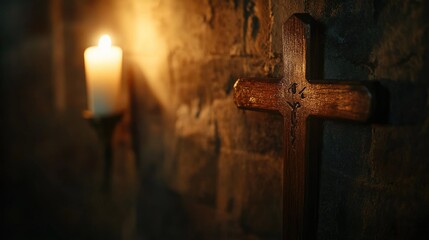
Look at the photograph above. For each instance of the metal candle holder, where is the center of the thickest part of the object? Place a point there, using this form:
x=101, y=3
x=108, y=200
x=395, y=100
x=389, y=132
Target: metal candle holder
x=104, y=127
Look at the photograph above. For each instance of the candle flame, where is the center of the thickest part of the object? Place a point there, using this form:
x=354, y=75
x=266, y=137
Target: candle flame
x=105, y=41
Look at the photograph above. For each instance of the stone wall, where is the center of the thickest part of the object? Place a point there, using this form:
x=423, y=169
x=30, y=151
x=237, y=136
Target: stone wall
x=188, y=164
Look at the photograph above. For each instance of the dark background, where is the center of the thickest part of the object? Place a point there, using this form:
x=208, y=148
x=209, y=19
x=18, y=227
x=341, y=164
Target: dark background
x=188, y=164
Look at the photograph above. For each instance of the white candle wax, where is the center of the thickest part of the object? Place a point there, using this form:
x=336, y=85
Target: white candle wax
x=103, y=69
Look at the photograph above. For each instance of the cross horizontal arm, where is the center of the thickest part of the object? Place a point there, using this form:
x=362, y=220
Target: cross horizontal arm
x=257, y=94
x=340, y=100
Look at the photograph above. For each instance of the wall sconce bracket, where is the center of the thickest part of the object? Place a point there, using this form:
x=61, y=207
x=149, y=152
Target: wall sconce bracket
x=104, y=126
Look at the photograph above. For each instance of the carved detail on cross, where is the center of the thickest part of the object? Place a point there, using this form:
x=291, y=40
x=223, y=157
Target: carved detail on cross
x=299, y=98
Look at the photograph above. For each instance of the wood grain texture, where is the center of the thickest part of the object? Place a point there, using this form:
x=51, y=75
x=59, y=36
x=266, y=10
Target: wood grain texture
x=301, y=101
x=257, y=94
x=344, y=101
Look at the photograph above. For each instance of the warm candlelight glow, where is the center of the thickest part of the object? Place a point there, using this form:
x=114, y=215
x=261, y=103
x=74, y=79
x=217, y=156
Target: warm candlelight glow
x=105, y=42
x=147, y=41
x=103, y=69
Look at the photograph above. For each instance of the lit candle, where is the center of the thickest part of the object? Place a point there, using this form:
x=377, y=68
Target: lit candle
x=103, y=67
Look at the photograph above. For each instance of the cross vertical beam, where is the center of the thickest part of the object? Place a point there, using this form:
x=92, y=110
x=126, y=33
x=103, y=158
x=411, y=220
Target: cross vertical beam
x=300, y=99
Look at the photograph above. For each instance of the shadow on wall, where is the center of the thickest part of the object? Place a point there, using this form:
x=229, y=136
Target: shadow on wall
x=160, y=210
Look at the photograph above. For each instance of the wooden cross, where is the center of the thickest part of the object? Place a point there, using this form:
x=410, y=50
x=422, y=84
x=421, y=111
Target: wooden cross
x=300, y=99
